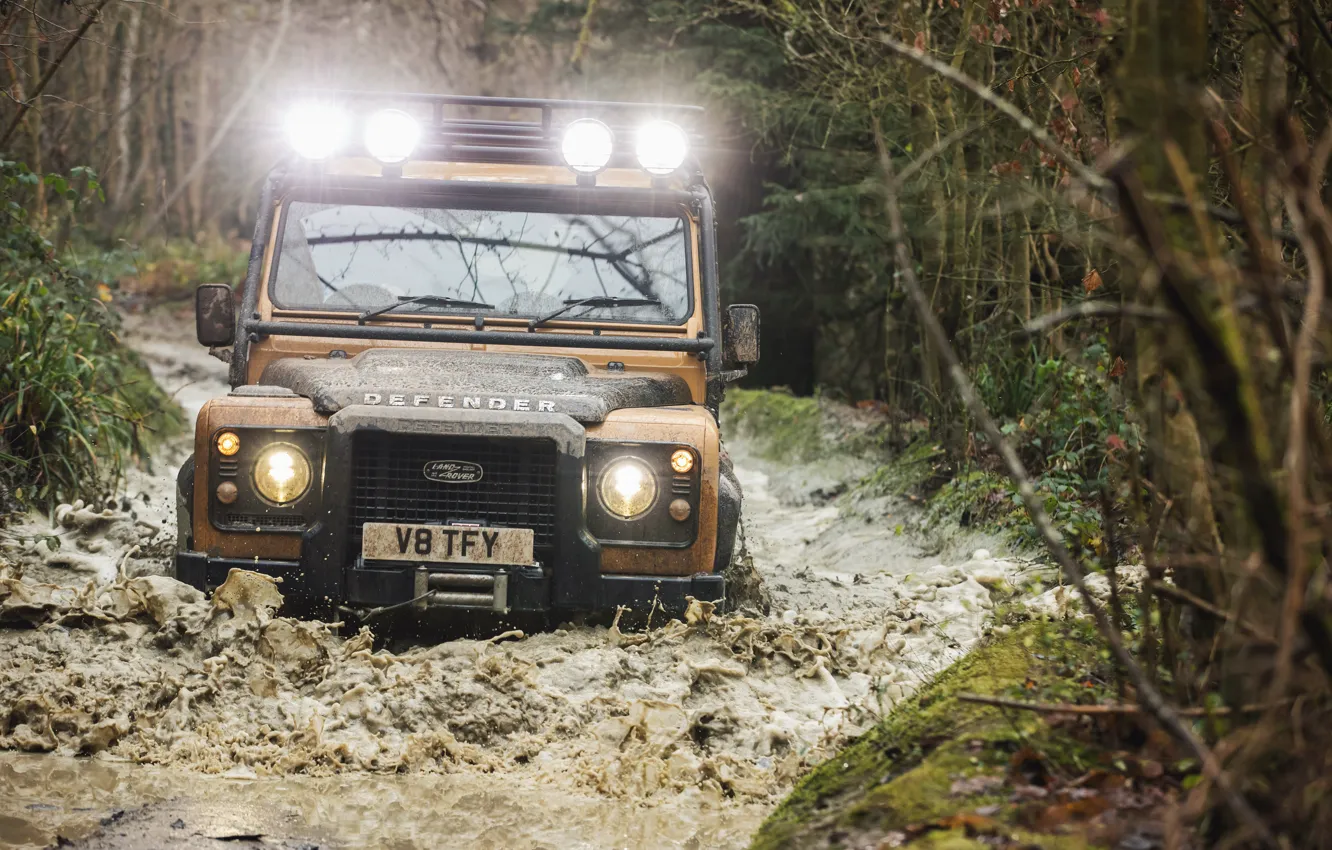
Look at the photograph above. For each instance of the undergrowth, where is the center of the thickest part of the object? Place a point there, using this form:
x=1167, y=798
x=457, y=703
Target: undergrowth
x=1064, y=416
x=75, y=403
x=160, y=268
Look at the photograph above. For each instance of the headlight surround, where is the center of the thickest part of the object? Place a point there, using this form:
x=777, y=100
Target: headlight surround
x=281, y=473
x=587, y=146
x=627, y=488
x=661, y=148
x=391, y=135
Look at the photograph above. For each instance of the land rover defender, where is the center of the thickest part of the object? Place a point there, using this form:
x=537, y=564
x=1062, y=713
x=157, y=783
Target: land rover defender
x=476, y=364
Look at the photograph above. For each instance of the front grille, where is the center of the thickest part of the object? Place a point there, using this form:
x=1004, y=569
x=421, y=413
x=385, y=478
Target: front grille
x=517, y=488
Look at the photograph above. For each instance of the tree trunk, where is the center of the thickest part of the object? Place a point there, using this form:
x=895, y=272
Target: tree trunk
x=120, y=185
x=1159, y=89
x=34, y=117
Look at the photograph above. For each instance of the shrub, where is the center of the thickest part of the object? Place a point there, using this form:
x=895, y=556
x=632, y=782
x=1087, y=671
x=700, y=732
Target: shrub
x=75, y=402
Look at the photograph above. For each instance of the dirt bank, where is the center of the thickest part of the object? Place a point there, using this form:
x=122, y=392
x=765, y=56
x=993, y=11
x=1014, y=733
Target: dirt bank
x=704, y=722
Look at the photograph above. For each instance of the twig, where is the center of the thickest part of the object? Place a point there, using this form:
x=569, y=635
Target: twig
x=28, y=101
x=584, y=36
x=1115, y=708
x=1095, y=310
x=1036, y=131
x=1180, y=595
x=1310, y=218
x=934, y=150
x=1049, y=144
x=1148, y=695
x=1227, y=382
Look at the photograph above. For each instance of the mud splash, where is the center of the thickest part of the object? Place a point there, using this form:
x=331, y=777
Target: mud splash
x=713, y=716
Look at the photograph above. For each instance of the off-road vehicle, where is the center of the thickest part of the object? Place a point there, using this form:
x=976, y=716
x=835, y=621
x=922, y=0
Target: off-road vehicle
x=477, y=364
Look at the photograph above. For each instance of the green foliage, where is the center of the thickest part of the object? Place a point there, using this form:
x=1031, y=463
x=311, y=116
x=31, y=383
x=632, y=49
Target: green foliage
x=74, y=401
x=908, y=472
x=786, y=427
x=1067, y=421
x=160, y=268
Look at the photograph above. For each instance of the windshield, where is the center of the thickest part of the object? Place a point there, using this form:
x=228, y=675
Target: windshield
x=355, y=258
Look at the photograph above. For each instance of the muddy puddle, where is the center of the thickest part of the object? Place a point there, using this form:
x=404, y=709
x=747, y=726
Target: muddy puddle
x=42, y=796
x=120, y=687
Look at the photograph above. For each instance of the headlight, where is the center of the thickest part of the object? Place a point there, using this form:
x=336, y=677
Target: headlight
x=627, y=488
x=317, y=130
x=282, y=473
x=391, y=135
x=587, y=145
x=662, y=147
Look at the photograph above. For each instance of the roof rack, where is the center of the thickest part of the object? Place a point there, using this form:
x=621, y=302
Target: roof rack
x=448, y=136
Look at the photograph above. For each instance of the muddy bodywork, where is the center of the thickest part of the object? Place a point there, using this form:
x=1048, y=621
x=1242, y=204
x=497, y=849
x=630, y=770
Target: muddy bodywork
x=472, y=380
x=538, y=413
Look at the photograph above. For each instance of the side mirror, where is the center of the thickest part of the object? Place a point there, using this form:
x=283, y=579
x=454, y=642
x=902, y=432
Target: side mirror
x=215, y=315
x=740, y=334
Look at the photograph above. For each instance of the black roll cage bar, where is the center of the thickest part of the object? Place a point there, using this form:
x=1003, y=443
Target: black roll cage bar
x=457, y=138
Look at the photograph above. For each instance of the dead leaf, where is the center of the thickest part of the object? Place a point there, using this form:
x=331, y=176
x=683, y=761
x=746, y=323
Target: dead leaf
x=1091, y=282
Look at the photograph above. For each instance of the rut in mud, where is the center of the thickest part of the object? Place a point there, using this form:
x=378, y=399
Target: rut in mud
x=105, y=655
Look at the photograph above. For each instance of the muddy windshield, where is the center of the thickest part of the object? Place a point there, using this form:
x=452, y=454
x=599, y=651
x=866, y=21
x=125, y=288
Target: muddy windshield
x=526, y=264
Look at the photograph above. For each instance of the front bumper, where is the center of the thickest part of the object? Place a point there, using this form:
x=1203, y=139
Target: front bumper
x=331, y=571
x=528, y=590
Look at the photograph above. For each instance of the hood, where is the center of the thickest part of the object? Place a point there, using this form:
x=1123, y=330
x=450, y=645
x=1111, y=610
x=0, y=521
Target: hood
x=472, y=380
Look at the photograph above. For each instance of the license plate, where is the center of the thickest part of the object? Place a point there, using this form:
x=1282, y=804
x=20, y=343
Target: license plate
x=451, y=544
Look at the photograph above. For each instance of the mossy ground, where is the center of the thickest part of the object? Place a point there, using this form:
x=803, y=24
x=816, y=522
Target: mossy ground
x=802, y=428
x=921, y=776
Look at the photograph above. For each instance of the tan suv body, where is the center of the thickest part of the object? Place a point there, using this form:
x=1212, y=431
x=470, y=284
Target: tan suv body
x=475, y=378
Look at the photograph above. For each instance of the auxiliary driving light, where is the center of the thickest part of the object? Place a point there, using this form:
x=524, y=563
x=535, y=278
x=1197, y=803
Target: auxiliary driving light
x=587, y=145
x=682, y=461
x=228, y=443
x=317, y=130
x=282, y=473
x=662, y=147
x=391, y=136
x=627, y=488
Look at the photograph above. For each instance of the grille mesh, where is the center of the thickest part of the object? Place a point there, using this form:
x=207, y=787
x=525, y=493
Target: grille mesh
x=517, y=489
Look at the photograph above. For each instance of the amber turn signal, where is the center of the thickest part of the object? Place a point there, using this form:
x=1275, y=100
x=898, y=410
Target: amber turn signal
x=227, y=492
x=228, y=443
x=682, y=461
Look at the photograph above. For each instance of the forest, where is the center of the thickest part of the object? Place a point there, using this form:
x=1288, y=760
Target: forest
x=1070, y=256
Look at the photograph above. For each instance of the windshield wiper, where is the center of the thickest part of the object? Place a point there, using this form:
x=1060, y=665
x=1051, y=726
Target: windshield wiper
x=436, y=300
x=595, y=302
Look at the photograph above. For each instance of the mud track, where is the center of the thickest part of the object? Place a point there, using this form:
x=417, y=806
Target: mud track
x=145, y=698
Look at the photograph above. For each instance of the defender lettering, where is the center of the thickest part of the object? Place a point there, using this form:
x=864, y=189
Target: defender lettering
x=468, y=402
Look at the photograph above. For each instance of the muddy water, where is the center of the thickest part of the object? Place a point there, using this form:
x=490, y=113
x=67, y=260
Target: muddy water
x=42, y=796
x=684, y=736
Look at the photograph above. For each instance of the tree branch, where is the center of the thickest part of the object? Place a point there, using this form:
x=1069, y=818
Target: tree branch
x=1038, y=133
x=1179, y=594
x=1148, y=695
x=1095, y=310
x=50, y=72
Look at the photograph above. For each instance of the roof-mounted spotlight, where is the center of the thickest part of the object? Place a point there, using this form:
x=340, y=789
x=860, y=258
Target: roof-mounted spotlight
x=661, y=148
x=317, y=130
x=391, y=135
x=587, y=145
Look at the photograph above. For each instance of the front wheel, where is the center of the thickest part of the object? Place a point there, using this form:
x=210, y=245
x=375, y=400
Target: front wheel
x=184, y=510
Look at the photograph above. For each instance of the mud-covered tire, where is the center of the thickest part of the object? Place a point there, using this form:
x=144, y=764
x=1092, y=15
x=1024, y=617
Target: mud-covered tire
x=745, y=589
x=184, y=507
